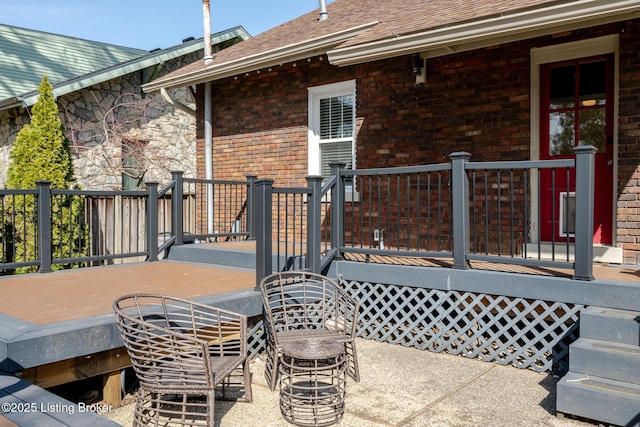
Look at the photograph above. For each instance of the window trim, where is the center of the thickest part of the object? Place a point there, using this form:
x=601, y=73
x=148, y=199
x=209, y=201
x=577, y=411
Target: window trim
x=315, y=94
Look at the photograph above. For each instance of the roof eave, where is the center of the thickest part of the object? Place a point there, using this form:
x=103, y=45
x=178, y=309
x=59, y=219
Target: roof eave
x=293, y=52
x=12, y=102
x=490, y=32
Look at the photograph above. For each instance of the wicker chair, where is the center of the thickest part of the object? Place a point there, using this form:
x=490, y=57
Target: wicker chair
x=300, y=305
x=183, y=354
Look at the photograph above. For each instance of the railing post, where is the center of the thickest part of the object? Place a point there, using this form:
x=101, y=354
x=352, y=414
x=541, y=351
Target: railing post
x=44, y=225
x=177, y=207
x=337, y=208
x=314, y=224
x=250, y=225
x=460, y=207
x=152, y=220
x=585, y=182
x=262, y=217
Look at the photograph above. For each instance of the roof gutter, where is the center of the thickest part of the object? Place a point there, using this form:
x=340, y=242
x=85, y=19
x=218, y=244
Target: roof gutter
x=488, y=32
x=14, y=101
x=259, y=60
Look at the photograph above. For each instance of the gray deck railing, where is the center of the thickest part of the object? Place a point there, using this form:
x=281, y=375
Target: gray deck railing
x=465, y=211
x=212, y=209
x=47, y=228
x=291, y=226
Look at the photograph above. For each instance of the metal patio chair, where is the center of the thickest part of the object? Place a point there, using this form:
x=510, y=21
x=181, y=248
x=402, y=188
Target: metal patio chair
x=300, y=305
x=183, y=354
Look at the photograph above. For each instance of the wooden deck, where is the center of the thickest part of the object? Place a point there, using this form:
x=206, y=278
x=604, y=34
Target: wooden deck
x=74, y=294
x=601, y=272
x=59, y=327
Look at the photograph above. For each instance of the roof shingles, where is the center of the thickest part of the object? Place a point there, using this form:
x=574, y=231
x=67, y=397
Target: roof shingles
x=393, y=17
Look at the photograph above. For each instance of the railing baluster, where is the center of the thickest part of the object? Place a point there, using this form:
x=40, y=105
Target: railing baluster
x=512, y=214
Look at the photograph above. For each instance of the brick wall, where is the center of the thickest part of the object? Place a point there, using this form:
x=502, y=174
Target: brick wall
x=475, y=101
x=628, y=205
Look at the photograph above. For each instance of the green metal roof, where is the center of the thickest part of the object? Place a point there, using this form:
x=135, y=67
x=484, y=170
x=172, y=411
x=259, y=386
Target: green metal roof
x=26, y=55
x=72, y=64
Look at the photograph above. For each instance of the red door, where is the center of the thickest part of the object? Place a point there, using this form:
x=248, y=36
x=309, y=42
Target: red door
x=576, y=109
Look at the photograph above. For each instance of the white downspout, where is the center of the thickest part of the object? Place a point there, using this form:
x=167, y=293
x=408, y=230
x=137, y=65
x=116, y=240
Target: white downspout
x=208, y=114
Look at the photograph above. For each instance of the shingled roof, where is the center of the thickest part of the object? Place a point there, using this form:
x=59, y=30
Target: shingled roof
x=363, y=30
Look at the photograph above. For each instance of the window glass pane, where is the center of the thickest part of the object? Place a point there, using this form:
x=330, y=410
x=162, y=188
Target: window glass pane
x=336, y=117
x=592, y=128
x=593, y=88
x=132, y=165
x=562, y=87
x=332, y=152
x=561, y=133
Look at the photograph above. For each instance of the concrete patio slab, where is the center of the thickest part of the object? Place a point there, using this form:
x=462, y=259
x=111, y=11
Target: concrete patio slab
x=408, y=387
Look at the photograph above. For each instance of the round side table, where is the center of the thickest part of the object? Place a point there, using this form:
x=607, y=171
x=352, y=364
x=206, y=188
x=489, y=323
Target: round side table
x=312, y=382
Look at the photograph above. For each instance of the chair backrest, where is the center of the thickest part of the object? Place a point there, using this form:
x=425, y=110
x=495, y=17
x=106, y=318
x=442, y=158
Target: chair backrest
x=171, y=340
x=302, y=300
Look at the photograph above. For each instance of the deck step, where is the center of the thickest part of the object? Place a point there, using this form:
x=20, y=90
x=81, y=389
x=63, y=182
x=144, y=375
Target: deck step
x=25, y=404
x=605, y=359
x=599, y=399
x=209, y=254
x=607, y=324
x=224, y=255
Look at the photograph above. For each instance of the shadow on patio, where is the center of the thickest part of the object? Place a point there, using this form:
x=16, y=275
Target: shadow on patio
x=403, y=386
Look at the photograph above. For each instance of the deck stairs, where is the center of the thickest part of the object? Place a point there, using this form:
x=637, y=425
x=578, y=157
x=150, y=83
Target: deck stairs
x=603, y=382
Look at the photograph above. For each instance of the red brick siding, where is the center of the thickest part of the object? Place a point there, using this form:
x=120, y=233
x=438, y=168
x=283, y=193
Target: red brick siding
x=628, y=206
x=475, y=101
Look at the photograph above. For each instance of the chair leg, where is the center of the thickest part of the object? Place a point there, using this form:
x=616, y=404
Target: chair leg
x=353, y=369
x=211, y=407
x=271, y=364
x=246, y=374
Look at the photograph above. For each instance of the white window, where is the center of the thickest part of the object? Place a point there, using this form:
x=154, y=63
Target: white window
x=332, y=113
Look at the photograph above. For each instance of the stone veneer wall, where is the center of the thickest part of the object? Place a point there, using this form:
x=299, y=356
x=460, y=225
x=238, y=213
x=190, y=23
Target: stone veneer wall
x=98, y=117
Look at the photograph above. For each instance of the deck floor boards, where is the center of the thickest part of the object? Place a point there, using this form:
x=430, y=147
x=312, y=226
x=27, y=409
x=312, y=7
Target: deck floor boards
x=80, y=293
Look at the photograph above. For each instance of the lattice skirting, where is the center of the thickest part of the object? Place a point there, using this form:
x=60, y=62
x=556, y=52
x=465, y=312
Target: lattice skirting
x=510, y=331
x=256, y=336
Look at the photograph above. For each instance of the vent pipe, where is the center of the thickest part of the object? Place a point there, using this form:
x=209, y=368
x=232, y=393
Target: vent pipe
x=323, y=10
x=206, y=18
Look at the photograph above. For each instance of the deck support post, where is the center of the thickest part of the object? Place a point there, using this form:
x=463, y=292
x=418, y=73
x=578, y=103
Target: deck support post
x=460, y=207
x=44, y=225
x=314, y=224
x=152, y=220
x=337, y=208
x=111, y=390
x=585, y=203
x=262, y=218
